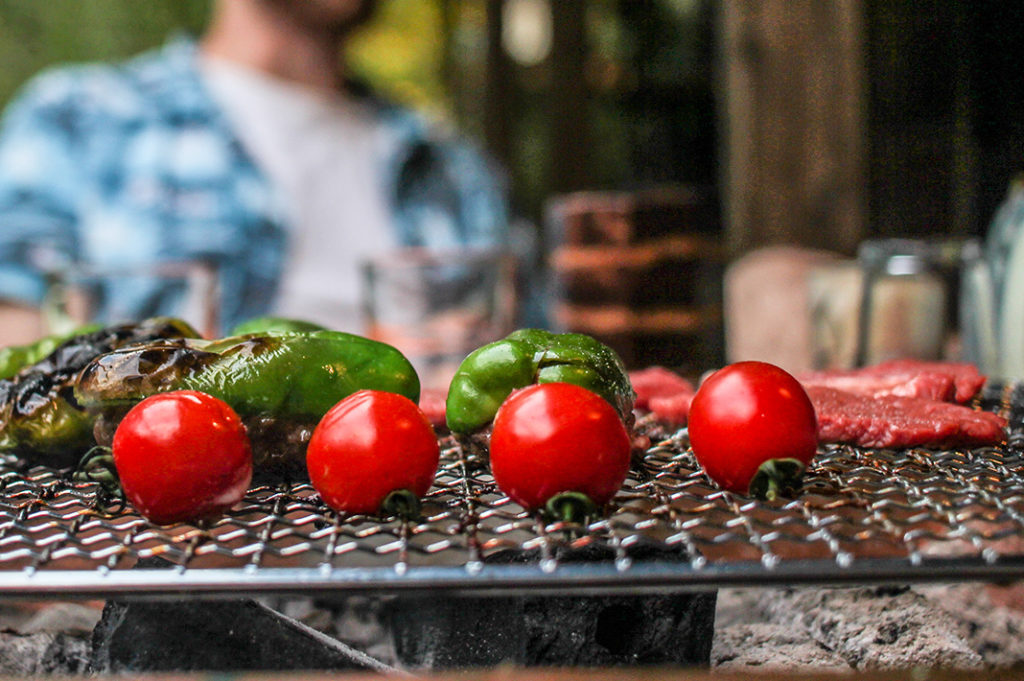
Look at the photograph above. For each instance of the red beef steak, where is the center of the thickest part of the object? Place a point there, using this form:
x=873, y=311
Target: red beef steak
x=432, y=402
x=895, y=421
x=663, y=392
x=946, y=381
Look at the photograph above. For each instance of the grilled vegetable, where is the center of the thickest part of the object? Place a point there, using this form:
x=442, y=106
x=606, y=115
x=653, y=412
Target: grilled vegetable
x=373, y=452
x=560, y=447
x=281, y=324
x=14, y=358
x=753, y=429
x=281, y=384
x=39, y=417
x=490, y=373
x=182, y=456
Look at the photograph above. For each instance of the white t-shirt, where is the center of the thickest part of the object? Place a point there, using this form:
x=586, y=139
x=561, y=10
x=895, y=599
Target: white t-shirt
x=322, y=151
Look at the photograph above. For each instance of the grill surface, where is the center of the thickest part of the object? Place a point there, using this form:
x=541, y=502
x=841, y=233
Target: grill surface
x=864, y=515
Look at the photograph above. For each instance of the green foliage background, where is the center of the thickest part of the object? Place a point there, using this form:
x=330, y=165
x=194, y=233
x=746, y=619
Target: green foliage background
x=400, y=52
x=35, y=34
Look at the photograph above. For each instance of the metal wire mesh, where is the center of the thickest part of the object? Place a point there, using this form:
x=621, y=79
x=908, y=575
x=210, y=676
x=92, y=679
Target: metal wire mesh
x=871, y=509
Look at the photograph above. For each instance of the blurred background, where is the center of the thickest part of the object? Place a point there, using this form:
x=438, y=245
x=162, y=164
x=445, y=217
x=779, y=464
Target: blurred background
x=709, y=129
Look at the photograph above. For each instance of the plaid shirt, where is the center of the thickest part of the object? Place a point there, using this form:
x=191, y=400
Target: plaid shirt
x=121, y=165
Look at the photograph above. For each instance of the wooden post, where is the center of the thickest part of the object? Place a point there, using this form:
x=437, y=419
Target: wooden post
x=793, y=96
x=498, y=98
x=570, y=138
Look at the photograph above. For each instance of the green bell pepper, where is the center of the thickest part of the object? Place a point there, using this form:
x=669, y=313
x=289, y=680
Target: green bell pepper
x=490, y=373
x=280, y=324
x=299, y=375
x=14, y=358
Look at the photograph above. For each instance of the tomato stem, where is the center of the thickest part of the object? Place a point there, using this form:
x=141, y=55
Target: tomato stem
x=571, y=507
x=776, y=478
x=402, y=503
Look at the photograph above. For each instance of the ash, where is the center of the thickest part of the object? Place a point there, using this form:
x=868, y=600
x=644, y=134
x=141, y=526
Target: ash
x=964, y=626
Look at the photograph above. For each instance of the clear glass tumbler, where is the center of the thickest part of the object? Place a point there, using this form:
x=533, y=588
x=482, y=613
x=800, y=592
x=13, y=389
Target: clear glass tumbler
x=438, y=306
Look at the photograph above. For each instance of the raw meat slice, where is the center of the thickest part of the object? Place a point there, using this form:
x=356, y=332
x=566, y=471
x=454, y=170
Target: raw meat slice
x=930, y=386
x=657, y=381
x=672, y=409
x=663, y=392
x=946, y=381
x=966, y=378
x=894, y=421
x=432, y=402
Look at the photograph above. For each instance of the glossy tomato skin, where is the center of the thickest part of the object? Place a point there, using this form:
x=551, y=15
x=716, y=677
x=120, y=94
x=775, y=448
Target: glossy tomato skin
x=182, y=456
x=368, y=445
x=550, y=438
x=746, y=414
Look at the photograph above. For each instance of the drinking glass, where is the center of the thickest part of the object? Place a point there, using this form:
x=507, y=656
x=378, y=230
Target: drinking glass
x=81, y=294
x=834, y=292
x=438, y=306
x=908, y=307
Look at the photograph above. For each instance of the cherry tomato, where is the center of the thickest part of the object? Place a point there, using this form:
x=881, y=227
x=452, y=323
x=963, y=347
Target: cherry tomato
x=369, y=445
x=550, y=439
x=182, y=456
x=746, y=415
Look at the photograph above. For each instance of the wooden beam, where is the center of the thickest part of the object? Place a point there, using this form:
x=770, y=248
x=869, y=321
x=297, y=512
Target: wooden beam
x=498, y=96
x=570, y=128
x=791, y=84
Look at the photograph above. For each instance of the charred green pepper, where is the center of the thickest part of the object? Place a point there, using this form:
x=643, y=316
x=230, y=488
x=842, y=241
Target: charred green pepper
x=14, y=358
x=294, y=374
x=281, y=384
x=39, y=417
x=490, y=373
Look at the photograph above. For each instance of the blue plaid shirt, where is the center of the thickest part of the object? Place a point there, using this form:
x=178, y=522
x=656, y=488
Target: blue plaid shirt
x=120, y=165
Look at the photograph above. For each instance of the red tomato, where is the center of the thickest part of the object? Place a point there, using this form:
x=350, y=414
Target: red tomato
x=182, y=456
x=552, y=438
x=370, y=444
x=745, y=415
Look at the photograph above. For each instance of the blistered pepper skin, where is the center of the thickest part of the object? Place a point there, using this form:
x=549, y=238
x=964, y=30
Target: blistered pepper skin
x=281, y=384
x=302, y=373
x=280, y=374
x=14, y=358
x=39, y=417
x=54, y=432
x=527, y=356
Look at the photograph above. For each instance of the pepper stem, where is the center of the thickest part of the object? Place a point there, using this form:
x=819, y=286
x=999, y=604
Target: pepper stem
x=571, y=507
x=776, y=478
x=97, y=465
x=402, y=503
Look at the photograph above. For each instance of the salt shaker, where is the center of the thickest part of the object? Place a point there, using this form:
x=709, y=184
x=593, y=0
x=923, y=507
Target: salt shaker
x=904, y=307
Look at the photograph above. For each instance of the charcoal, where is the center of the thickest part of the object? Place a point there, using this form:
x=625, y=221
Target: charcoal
x=453, y=632
x=580, y=631
x=233, y=635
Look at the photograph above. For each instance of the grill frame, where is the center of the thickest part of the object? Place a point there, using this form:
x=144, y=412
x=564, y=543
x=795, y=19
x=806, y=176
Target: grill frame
x=865, y=516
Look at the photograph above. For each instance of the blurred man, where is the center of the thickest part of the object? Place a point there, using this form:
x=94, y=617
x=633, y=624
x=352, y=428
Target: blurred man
x=251, y=150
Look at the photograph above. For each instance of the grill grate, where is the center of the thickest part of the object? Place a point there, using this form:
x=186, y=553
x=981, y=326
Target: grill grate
x=864, y=515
